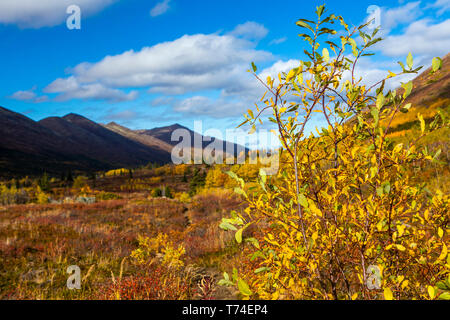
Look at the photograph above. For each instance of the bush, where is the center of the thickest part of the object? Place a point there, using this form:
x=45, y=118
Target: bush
x=80, y=182
x=344, y=215
x=156, y=192
x=107, y=196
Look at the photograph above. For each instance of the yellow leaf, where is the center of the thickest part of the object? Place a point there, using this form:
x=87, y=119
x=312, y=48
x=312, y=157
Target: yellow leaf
x=440, y=232
x=290, y=75
x=354, y=296
x=326, y=55
x=400, y=247
x=431, y=292
x=443, y=253
x=391, y=74
x=422, y=123
x=388, y=294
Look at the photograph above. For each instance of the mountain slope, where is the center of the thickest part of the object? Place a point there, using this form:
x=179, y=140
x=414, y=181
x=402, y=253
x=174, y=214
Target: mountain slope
x=429, y=93
x=147, y=140
x=72, y=142
x=103, y=145
x=165, y=134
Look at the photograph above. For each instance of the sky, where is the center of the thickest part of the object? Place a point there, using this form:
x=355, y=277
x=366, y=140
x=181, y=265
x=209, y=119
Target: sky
x=151, y=63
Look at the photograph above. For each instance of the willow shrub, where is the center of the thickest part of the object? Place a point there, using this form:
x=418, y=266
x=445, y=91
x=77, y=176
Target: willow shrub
x=342, y=219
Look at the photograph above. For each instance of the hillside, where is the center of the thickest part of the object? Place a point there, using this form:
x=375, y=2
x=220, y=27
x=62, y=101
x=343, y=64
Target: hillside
x=430, y=92
x=58, y=144
x=145, y=139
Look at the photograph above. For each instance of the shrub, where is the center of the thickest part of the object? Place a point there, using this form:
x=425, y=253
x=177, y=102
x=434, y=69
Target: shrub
x=156, y=192
x=107, y=196
x=80, y=182
x=344, y=214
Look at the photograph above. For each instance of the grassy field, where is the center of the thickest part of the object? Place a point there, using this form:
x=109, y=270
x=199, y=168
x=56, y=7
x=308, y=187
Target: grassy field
x=39, y=241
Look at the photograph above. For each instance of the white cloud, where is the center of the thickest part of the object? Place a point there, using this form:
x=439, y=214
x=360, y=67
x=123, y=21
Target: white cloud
x=215, y=108
x=24, y=95
x=391, y=18
x=278, y=41
x=45, y=13
x=28, y=95
x=442, y=5
x=188, y=64
x=121, y=115
x=160, y=8
x=250, y=30
x=71, y=88
x=422, y=37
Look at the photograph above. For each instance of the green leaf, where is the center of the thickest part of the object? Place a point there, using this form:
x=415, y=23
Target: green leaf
x=387, y=187
x=302, y=200
x=244, y=288
x=441, y=285
x=320, y=10
x=380, y=100
x=376, y=115
x=436, y=64
x=254, y=67
x=409, y=60
x=238, y=235
x=262, y=269
x=408, y=88
x=227, y=226
x=239, y=191
x=263, y=175
x=253, y=241
x=235, y=274
x=380, y=191
x=445, y=296
x=303, y=24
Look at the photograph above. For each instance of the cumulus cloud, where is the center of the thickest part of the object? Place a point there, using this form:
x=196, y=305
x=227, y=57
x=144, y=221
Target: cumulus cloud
x=422, y=37
x=28, y=95
x=393, y=17
x=250, y=30
x=37, y=14
x=442, y=5
x=215, y=108
x=24, y=95
x=71, y=88
x=278, y=41
x=121, y=115
x=160, y=8
x=188, y=64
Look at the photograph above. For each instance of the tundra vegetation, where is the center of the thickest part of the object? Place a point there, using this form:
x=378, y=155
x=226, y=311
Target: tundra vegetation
x=366, y=193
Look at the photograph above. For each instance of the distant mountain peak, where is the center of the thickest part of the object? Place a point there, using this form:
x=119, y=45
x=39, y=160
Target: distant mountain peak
x=72, y=117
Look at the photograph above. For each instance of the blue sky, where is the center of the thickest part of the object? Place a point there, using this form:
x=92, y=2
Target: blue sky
x=153, y=63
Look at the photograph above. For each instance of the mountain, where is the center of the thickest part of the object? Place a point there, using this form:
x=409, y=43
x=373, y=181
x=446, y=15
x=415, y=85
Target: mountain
x=165, y=134
x=101, y=144
x=72, y=142
x=429, y=93
x=147, y=140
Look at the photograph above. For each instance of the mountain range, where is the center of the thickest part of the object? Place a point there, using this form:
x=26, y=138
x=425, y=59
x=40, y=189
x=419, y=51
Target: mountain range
x=73, y=142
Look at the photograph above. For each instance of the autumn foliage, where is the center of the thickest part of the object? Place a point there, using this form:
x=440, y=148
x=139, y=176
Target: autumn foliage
x=345, y=217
